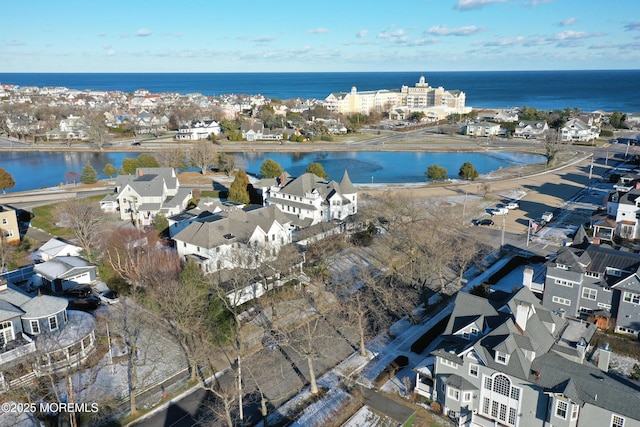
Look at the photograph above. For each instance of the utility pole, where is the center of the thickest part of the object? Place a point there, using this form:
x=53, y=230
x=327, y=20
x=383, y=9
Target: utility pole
x=504, y=220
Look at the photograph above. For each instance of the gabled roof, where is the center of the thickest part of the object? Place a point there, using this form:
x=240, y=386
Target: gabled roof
x=584, y=383
x=631, y=284
x=63, y=267
x=230, y=227
x=603, y=258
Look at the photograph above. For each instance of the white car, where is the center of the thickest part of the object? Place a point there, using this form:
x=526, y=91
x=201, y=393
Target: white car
x=499, y=211
x=109, y=297
x=512, y=205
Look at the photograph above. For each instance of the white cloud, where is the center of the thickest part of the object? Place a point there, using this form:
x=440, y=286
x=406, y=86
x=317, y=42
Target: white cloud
x=571, y=35
x=392, y=35
x=633, y=26
x=111, y=52
x=474, y=4
x=265, y=39
x=362, y=33
x=568, y=21
x=317, y=31
x=534, y=3
x=143, y=32
x=506, y=42
x=106, y=46
x=443, y=30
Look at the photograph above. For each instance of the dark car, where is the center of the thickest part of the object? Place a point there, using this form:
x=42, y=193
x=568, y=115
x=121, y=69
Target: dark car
x=135, y=143
x=84, y=304
x=78, y=292
x=484, y=221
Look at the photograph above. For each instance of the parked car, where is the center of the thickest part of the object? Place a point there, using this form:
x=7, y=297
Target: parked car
x=499, y=211
x=78, y=292
x=84, y=304
x=135, y=143
x=547, y=216
x=484, y=221
x=109, y=297
x=512, y=205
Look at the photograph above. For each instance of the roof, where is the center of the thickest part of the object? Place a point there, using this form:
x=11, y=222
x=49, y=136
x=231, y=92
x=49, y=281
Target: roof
x=62, y=267
x=229, y=227
x=43, y=306
x=584, y=383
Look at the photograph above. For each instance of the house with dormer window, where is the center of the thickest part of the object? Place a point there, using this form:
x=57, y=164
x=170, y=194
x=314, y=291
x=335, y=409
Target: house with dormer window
x=530, y=129
x=525, y=368
x=309, y=199
x=145, y=194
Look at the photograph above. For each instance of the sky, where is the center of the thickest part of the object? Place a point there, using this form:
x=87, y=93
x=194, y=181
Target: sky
x=332, y=35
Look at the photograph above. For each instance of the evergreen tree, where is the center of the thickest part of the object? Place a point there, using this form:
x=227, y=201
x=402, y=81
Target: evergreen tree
x=468, y=172
x=160, y=223
x=89, y=175
x=239, y=192
x=317, y=170
x=437, y=173
x=6, y=180
x=109, y=170
x=270, y=169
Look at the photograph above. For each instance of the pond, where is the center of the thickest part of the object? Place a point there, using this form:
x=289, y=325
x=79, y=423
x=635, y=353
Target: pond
x=33, y=170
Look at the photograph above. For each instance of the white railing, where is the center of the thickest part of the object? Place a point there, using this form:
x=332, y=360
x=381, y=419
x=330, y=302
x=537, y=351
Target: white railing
x=17, y=352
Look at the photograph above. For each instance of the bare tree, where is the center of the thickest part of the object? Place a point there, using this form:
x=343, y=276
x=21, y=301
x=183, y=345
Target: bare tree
x=202, y=155
x=84, y=218
x=95, y=128
x=175, y=158
x=7, y=252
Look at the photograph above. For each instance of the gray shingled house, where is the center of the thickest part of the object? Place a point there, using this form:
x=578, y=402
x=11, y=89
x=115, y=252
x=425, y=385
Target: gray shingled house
x=516, y=363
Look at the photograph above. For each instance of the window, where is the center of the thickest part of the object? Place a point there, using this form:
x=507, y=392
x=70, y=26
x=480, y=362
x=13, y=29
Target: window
x=453, y=393
x=603, y=305
x=466, y=397
x=494, y=409
x=448, y=362
x=502, y=385
x=512, y=415
x=5, y=221
x=35, y=327
x=501, y=358
x=562, y=301
x=8, y=233
x=64, y=316
x=617, y=421
x=563, y=283
x=53, y=323
x=6, y=333
x=473, y=370
x=515, y=393
x=485, y=405
x=574, y=411
x=632, y=298
x=487, y=383
x=588, y=293
x=561, y=409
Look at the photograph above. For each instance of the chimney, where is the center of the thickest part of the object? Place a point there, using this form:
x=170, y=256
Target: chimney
x=140, y=172
x=522, y=315
x=637, y=185
x=527, y=277
x=581, y=346
x=604, y=356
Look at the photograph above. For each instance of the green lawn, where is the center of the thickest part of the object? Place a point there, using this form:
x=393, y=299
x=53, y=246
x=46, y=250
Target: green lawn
x=44, y=218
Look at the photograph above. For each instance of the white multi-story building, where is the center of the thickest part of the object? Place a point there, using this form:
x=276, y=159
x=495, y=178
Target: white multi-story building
x=310, y=199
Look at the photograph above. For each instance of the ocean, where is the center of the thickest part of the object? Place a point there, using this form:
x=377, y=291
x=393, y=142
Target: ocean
x=587, y=90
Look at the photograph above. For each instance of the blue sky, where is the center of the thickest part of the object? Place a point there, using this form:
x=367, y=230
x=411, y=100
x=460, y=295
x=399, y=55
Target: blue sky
x=332, y=35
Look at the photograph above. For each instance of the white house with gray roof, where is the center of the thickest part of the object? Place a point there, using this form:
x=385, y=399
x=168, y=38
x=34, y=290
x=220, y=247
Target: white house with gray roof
x=147, y=193
x=516, y=363
x=38, y=336
x=234, y=238
x=309, y=199
x=65, y=272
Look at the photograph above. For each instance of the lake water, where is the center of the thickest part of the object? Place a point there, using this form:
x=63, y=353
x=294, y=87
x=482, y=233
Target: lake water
x=33, y=170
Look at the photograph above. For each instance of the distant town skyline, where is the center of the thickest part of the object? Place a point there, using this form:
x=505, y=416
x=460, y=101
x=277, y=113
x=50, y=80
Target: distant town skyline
x=283, y=35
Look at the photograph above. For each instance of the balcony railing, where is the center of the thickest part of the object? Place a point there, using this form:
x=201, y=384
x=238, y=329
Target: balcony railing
x=17, y=348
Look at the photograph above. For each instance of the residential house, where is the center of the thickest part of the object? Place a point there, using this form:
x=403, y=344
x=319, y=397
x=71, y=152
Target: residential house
x=529, y=129
x=254, y=130
x=623, y=207
x=9, y=224
x=39, y=336
x=576, y=130
x=197, y=130
x=55, y=248
x=516, y=363
x=234, y=238
x=147, y=193
x=481, y=129
x=65, y=272
x=311, y=199
x=597, y=282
